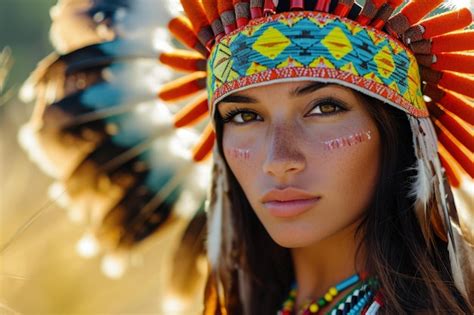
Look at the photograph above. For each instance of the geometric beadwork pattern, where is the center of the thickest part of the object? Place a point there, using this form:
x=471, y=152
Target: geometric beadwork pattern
x=321, y=47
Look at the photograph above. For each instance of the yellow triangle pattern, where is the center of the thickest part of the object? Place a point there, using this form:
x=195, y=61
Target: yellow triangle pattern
x=373, y=77
x=384, y=61
x=322, y=62
x=350, y=68
x=337, y=43
x=271, y=43
x=290, y=62
x=354, y=28
x=255, y=68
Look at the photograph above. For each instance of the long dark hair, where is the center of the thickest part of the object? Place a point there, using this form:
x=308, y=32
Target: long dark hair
x=414, y=276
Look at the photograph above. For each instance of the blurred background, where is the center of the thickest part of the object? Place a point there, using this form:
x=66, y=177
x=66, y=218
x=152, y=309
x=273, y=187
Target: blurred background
x=40, y=270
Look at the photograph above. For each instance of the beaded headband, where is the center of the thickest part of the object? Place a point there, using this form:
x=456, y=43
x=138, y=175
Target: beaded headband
x=316, y=46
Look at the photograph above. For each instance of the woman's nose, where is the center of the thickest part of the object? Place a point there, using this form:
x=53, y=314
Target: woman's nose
x=283, y=155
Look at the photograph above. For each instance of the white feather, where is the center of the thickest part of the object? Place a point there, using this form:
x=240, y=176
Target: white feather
x=215, y=210
x=458, y=4
x=421, y=187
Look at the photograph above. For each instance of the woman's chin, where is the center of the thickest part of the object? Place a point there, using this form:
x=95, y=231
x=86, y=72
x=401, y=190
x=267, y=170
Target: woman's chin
x=296, y=237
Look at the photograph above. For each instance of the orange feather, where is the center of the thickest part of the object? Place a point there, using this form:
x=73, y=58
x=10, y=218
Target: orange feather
x=210, y=7
x=458, y=83
x=459, y=41
x=224, y=5
x=205, y=144
x=181, y=28
x=415, y=10
x=453, y=170
x=459, y=152
x=192, y=113
x=195, y=12
x=457, y=62
x=184, y=60
x=458, y=129
x=446, y=23
x=183, y=87
x=463, y=63
x=455, y=104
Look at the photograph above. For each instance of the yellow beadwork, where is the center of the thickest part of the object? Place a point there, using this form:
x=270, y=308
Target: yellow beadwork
x=314, y=308
x=328, y=297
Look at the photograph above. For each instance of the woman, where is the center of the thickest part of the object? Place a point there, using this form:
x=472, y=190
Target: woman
x=327, y=193
x=325, y=184
x=349, y=161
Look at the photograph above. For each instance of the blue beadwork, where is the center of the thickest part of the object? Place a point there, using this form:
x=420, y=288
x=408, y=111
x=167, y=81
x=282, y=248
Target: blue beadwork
x=347, y=283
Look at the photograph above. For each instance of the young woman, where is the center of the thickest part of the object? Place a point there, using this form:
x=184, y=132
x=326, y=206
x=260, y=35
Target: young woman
x=319, y=183
x=329, y=191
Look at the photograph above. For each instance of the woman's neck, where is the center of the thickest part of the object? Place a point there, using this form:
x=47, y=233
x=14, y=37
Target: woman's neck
x=326, y=263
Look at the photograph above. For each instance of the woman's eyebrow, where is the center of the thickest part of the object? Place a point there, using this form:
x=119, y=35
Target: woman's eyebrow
x=233, y=98
x=306, y=89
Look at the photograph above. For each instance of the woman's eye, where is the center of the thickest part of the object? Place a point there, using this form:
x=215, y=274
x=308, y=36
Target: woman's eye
x=241, y=117
x=326, y=109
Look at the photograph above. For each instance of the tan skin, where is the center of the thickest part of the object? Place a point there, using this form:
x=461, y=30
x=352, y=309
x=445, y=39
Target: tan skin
x=274, y=139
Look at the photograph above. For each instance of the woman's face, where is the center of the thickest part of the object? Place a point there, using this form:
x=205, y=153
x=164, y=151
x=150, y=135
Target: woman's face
x=306, y=156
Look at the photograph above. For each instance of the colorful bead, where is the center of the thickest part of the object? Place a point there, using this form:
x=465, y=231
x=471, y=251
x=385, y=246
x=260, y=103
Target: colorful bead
x=328, y=297
x=313, y=308
x=351, y=304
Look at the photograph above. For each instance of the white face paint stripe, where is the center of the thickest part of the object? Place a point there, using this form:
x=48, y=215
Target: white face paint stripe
x=243, y=154
x=347, y=141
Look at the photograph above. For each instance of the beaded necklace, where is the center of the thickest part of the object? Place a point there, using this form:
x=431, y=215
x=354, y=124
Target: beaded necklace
x=353, y=303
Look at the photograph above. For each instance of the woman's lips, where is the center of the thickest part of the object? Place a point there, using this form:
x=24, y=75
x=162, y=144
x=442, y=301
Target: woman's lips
x=286, y=209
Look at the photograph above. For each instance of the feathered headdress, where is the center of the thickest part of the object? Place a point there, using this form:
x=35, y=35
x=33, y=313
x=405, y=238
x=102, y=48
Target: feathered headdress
x=125, y=158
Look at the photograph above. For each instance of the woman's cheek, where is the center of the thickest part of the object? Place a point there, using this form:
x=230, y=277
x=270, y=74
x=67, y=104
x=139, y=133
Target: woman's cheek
x=241, y=154
x=350, y=168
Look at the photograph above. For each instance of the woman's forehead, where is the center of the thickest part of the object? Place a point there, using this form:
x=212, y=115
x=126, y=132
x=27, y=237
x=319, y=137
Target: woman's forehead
x=287, y=89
